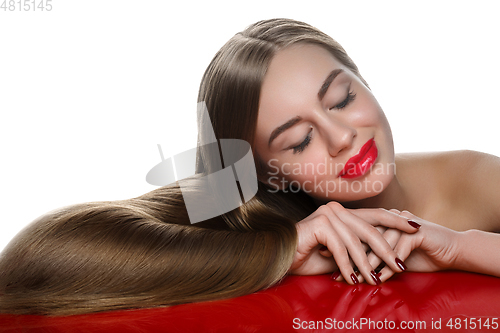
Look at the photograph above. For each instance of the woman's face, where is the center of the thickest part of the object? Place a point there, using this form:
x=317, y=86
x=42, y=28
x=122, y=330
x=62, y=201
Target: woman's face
x=320, y=129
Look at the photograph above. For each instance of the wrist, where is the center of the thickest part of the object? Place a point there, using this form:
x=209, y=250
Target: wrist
x=469, y=256
x=462, y=239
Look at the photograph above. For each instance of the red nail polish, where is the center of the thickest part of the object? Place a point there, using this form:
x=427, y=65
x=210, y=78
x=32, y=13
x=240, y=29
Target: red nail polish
x=335, y=275
x=414, y=224
x=399, y=304
x=354, y=278
x=401, y=264
x=375, y=278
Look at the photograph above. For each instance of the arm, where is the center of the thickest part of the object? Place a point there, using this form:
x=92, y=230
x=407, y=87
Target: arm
x=489, y=196
x=436, y=248
x=479, y=252
x=473, y=181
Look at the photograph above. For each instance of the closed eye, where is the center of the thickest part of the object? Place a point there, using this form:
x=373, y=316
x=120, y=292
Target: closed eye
x=349, y=98
x=300, y=147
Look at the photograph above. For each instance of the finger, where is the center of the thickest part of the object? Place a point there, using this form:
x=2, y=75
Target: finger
x=326, y=234
x=323, y=250
x=405, y=246
x=372, y=256
x=353, y=244
x=373, y=238
x=392, y=237
x=360, y=277
x=386, y=273
x=391, y=219
x=336, y=275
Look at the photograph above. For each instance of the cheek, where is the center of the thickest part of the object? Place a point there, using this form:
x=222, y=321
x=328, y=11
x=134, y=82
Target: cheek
x=306, y=170
x=367, y=113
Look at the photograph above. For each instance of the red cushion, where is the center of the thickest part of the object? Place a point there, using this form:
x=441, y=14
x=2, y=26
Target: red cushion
x=307, y=302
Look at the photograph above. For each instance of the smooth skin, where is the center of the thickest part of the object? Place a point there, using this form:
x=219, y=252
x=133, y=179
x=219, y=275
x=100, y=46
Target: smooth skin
x=366, y=220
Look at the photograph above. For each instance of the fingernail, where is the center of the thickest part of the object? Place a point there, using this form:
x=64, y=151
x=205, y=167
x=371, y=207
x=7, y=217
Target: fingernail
x=375, y=278
x=323, y=248
x=354, y=278
x=335, y=275
x=401, y=264
x=414, y=224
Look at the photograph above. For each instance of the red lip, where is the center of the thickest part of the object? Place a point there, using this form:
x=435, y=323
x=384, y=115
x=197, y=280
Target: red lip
x=360, y=163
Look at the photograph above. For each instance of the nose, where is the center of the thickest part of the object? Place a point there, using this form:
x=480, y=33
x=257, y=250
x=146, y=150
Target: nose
x=338, y=136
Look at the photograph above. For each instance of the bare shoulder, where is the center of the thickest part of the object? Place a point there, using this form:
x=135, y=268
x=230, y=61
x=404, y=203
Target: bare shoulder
x=460, y=169
x=472, y=166
x=471, y=158
x=477, y=179
x=453, y=163
x=464, y=182
x=442, y=174
x=447, y=155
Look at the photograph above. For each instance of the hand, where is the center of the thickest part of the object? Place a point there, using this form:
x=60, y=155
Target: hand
x=433, y=248
x=342, y=231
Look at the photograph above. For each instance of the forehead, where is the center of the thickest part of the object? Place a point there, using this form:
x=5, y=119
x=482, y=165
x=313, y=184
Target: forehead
x=291, y=84
x=298, y=66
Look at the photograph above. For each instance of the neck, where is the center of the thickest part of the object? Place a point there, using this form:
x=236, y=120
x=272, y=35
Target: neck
x=394, y=196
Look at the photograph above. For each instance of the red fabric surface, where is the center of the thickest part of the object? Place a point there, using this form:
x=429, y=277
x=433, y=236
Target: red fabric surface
x=299, y=302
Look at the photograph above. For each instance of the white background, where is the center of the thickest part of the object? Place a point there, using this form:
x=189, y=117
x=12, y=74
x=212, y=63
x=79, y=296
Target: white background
x=89, y=89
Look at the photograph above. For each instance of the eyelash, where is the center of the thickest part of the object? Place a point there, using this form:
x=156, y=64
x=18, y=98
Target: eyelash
x=300, y=148
x=350, y=97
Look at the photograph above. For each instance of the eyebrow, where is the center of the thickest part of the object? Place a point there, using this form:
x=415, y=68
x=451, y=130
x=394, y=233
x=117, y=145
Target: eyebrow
x=277, y=131
x=329, y=79
x=321, y=93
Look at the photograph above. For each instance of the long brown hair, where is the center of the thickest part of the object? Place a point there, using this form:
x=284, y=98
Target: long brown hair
x=143, y=252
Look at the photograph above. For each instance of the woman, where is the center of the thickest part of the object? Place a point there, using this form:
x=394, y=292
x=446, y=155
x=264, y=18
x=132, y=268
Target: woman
x=262, y=87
